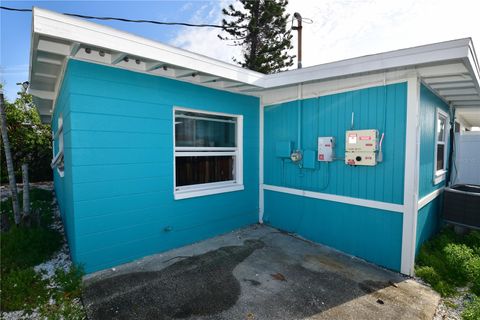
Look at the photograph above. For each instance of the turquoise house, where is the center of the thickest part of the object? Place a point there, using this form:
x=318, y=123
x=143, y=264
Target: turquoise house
x=156, y=147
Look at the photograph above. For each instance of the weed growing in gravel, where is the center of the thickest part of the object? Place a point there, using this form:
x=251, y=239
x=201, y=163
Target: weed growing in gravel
x=449, y=261
x=472, y=310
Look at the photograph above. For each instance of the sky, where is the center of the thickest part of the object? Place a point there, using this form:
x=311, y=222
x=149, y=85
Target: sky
x=341, y=29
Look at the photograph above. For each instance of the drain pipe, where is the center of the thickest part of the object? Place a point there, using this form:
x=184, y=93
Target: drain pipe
x=299, y=110
x=298, y=28
x=296, y=156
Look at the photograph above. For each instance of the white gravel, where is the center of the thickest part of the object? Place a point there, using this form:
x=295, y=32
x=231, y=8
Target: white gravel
x=5, y=190
x=15, y=315
x=451, y=308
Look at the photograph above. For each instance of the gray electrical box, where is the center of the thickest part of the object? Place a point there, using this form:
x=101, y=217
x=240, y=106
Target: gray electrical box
x=361, y=147
x=326, y=147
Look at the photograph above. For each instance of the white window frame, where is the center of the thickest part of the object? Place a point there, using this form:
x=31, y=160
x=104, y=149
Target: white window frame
x=58, y=159
x=204, y=189
x=439, y=175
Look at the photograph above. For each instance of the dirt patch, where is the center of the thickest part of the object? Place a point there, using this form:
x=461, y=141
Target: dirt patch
x=196, y=286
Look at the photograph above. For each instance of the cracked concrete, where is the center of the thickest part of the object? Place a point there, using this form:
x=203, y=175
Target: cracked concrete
x=255, y=273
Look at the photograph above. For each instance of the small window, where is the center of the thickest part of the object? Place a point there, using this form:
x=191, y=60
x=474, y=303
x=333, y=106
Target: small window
x=58, y=157
x=208, y=153
x=441, y=128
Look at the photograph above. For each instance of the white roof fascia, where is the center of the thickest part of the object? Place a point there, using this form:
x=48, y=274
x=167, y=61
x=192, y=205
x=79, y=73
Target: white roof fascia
x=57, y=25
x=471, y=62
x=427, y=54
x=63, y=35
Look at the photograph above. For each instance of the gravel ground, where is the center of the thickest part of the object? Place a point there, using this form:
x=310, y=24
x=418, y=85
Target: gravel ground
x=47, y=269
x=450, y=308
x=5, y=190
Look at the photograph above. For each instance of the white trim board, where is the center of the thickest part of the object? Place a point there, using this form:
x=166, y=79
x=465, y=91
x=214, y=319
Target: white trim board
x=336, y=198
x=429, y=198
x=261, y=199
x=410, y=189
x=318, y=89
x=57, y=25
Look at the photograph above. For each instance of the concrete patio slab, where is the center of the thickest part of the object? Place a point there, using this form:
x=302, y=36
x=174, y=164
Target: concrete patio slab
x=255, y=273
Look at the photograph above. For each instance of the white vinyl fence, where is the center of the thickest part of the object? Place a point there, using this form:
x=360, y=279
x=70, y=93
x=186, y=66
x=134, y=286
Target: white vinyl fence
x=467, y=158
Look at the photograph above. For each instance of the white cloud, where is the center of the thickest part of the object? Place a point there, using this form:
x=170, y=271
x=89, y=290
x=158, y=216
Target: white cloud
x=345, y=29
x=350, y=28
x=205, y=40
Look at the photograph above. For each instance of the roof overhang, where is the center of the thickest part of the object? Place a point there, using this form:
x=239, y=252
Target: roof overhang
x=449, y=68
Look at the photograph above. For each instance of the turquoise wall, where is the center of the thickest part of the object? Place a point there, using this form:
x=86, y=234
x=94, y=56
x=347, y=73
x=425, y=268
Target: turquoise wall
x=429, y=102
x=382, y=108
x=63, y=185
x=121, y=166
x=372, y=234
x=428, y=221
x=375, y=235
x=429, y=217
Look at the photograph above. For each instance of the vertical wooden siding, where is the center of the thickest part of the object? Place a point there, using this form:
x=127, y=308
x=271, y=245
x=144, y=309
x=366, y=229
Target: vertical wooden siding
x=429, y=217
x=428, y=221
x=122, y=165
x=429, y=102
x=373, y=234
x=382, y=108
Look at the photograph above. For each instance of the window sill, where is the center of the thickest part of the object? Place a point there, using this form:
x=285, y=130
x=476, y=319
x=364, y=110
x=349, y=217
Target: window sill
x=207, y=191
x=439, y=176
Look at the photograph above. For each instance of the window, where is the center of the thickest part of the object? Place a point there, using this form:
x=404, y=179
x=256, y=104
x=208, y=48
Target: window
x=208, y=153
x=441, y=128
x=57, y=161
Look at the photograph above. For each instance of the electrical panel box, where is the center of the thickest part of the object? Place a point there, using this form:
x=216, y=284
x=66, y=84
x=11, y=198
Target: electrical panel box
x=309, y=159
x=361, y=147
x=326, y=147
x=283, y=149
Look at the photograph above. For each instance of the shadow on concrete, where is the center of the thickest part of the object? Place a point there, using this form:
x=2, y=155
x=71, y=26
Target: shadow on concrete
x=198, y=285
x=268, y=277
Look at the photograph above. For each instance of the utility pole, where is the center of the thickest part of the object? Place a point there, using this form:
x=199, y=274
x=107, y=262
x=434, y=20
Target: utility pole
x=298, y=28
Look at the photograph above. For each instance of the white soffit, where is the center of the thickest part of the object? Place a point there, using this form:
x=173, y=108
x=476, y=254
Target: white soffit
x=449, y=68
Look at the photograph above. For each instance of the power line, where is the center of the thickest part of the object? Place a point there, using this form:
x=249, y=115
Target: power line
x=185, y=24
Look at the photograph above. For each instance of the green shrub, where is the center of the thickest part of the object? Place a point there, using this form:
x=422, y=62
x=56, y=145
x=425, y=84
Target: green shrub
x=458, y=258
x=472, y=239
x=62, y=309
x=22, y=289
x=476, y=286
x=450, y=260
x=70, y=283
x=30, y=140
x=40, y=200
x=428, y=274
x=23, y=247
x=472, y=310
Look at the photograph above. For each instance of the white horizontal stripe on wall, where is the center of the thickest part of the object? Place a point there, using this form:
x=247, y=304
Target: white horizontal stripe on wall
x=336, y=198
x=429, y=197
